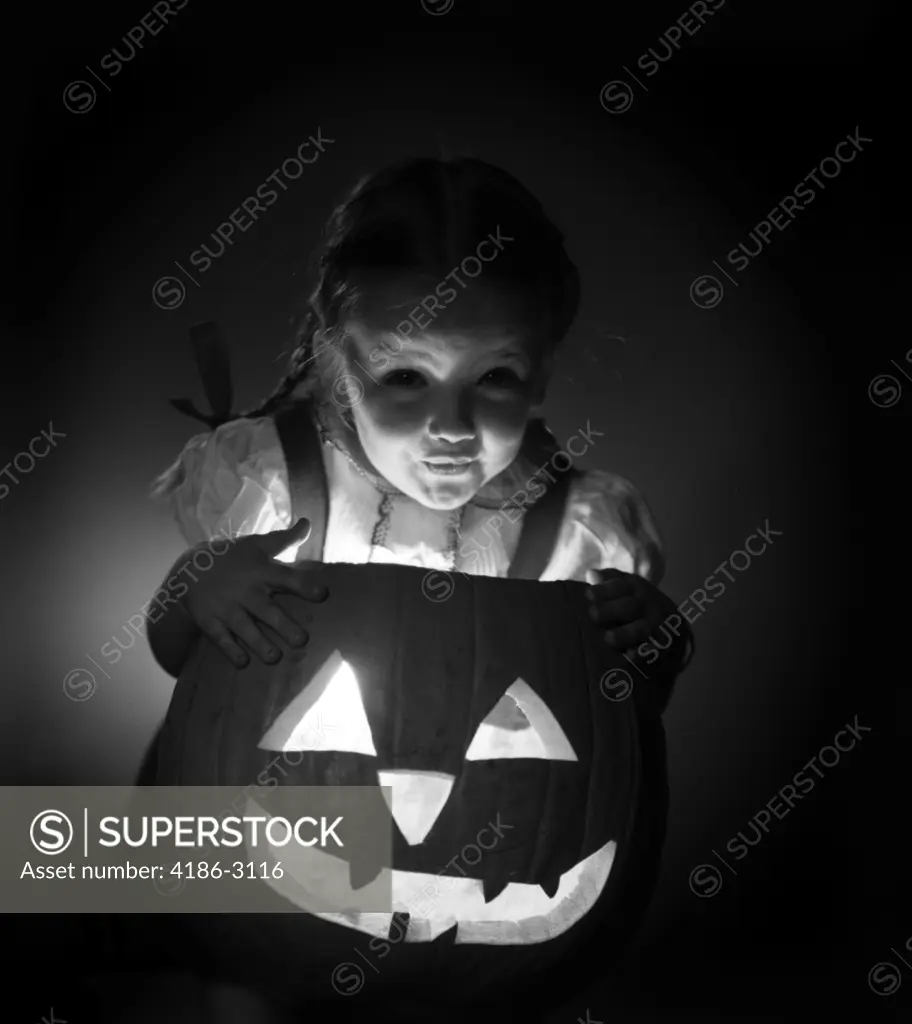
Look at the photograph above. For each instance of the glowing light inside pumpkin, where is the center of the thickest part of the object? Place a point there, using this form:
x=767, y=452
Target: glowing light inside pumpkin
x=417, y=800
x=328, y=714
x=520, y=725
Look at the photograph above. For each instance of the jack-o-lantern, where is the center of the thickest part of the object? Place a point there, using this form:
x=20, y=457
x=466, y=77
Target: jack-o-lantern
x=492, y=706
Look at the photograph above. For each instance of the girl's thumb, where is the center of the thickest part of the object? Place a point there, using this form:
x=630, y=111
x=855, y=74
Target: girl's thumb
x=279, y=540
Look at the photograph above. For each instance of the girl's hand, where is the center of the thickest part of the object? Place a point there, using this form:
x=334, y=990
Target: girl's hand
x=231, y=598
x=631, y=609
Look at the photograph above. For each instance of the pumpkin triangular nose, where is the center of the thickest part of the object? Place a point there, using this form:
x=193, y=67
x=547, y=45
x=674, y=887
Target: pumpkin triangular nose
x=418, y=798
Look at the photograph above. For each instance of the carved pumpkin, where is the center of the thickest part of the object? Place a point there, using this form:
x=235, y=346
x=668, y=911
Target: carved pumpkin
x=489, y=706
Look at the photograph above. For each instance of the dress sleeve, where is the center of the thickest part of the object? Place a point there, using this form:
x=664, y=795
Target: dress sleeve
x=609, y=525
x=229, y=482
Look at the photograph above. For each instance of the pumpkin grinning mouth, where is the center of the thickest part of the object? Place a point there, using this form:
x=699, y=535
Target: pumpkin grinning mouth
x=362, y=875
x=490, y=911
x=481, y=911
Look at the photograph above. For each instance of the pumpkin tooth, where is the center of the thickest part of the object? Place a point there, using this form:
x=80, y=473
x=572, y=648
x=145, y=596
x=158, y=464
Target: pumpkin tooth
x=362, y=872
x=492, y=888
x=400, y=922
x=550, y=886
x=447, y=939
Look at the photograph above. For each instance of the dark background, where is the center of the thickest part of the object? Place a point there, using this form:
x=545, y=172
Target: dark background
x=756, y=410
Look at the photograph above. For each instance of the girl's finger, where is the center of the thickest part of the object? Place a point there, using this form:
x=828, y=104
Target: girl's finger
x=619, y=611
x=622, y=637
x=261, y=607
x=244, y=628
x=273, y=544
x=596, y=576
x=221, y=636
x=304, y=584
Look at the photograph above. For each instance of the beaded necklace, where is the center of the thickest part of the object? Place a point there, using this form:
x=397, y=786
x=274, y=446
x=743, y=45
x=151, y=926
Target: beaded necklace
x=388, y=494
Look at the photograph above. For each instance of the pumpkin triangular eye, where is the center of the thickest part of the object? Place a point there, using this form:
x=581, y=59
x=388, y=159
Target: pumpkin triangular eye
x=520, y=725
x=328, y=714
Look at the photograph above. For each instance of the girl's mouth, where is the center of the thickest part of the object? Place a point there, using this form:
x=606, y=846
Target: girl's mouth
x=450, y=468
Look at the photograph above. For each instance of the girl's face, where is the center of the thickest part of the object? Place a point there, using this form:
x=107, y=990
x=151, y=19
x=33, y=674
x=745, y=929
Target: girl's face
x=443, y=410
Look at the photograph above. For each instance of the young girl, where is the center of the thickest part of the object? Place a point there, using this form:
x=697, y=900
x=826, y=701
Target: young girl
x=424, y=357
x=425, y=352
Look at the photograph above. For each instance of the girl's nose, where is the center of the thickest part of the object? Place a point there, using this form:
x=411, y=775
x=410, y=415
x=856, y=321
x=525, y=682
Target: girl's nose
x=453, y=421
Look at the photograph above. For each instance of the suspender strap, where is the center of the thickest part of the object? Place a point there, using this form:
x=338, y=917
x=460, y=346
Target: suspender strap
x=540, y=528
x=306, y=475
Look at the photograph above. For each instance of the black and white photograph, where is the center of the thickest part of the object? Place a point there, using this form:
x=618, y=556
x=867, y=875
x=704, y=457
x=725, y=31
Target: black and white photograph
x=454, y=514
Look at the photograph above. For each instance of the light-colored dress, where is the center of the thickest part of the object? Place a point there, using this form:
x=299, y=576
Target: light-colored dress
x=233, y=482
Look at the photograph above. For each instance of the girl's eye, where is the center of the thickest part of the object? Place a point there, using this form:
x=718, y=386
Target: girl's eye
x=501, y=377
